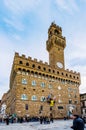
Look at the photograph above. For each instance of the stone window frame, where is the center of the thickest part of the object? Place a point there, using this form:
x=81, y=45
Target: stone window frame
x=60, y=107
x=69, y=89
x=44, y=68
x=20, y=62
x=43, y=99
x=33, y=82
x=33, y=65
x=69, y=95
x=34, y=98
x=75, y=102
x=24, y=81
x=39, y=67
x=70, y=101
x=50, y=86
x=24, y=97
x=26, y=106
x=27, y=64
x=42, y=84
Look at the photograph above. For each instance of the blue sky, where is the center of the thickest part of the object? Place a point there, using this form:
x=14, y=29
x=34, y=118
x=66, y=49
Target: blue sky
x=23, y=28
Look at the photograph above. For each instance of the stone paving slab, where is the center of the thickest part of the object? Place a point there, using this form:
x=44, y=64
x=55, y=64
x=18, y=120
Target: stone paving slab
x=58, y=124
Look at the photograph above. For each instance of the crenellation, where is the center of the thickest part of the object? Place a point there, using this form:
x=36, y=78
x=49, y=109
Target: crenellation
x=67, y=69
x=29, y=58
x=74, y=72
x=35, y=59
x=71, y=71
x=78, y=73
x=46, y=63
x=16, y=54
x=40, y=61
x=23, y=56
x=56, y=26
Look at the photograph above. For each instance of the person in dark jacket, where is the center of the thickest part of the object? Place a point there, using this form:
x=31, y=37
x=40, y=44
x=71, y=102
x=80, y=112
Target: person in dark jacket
x=7, y=120
x=78, y=123
x=41, y=119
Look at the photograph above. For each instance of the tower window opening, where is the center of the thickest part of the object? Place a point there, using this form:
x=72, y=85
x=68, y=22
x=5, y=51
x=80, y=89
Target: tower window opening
x=70, y=76
x=56, y=31
x=62, y=73
x=70, y=101
x=67, y=75
x=33, y=66
x=53, y=71
x=49, y=70
x=74, y=77
x=57, y=72
x=77, y=77
x=20, y=62
x=27, y=64
x=39, y=67
x=44, y=68
x=19, y=69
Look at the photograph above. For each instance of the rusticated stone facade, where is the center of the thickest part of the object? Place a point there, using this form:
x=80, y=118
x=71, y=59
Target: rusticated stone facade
x=32, y=81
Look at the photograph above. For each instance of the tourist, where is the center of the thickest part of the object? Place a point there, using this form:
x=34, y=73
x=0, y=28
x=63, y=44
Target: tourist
x=78, y=123
x=7, y=120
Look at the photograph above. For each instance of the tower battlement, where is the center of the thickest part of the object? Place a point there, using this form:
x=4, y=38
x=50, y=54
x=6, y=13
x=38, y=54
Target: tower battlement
x=55, y=26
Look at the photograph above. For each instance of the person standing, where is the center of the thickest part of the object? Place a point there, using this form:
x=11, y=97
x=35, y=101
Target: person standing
x=41, y=119
x=7, y=120
x=51, y=117
x=78, y=123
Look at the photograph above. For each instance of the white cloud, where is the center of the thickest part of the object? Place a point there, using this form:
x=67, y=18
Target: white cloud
x=20, y=6
x=83, y=84
x=68, y=5
x=5, y=55
x=14, y=23
x=6, y=58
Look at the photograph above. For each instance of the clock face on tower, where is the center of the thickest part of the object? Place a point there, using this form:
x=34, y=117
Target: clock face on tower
x=59, y=64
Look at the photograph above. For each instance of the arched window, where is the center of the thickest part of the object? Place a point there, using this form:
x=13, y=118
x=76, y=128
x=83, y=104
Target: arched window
x=70, y=101
x=20, y=62
x=44, y=68
x=33, y=83
x=69, y=89
x=27, y=64
x=56, y=31
x=43, y=99
x=24, y=97
x=34, y=98
x=39, y=67
x=43, y=84
x=49, y=70
x=33, y=65
x=50, y=86
x=24, y=81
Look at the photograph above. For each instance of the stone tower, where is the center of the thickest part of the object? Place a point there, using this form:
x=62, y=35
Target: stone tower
x=55, y=46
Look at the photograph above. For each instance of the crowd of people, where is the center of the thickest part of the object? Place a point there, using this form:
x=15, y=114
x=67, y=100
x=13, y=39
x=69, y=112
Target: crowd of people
x=78, y=122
